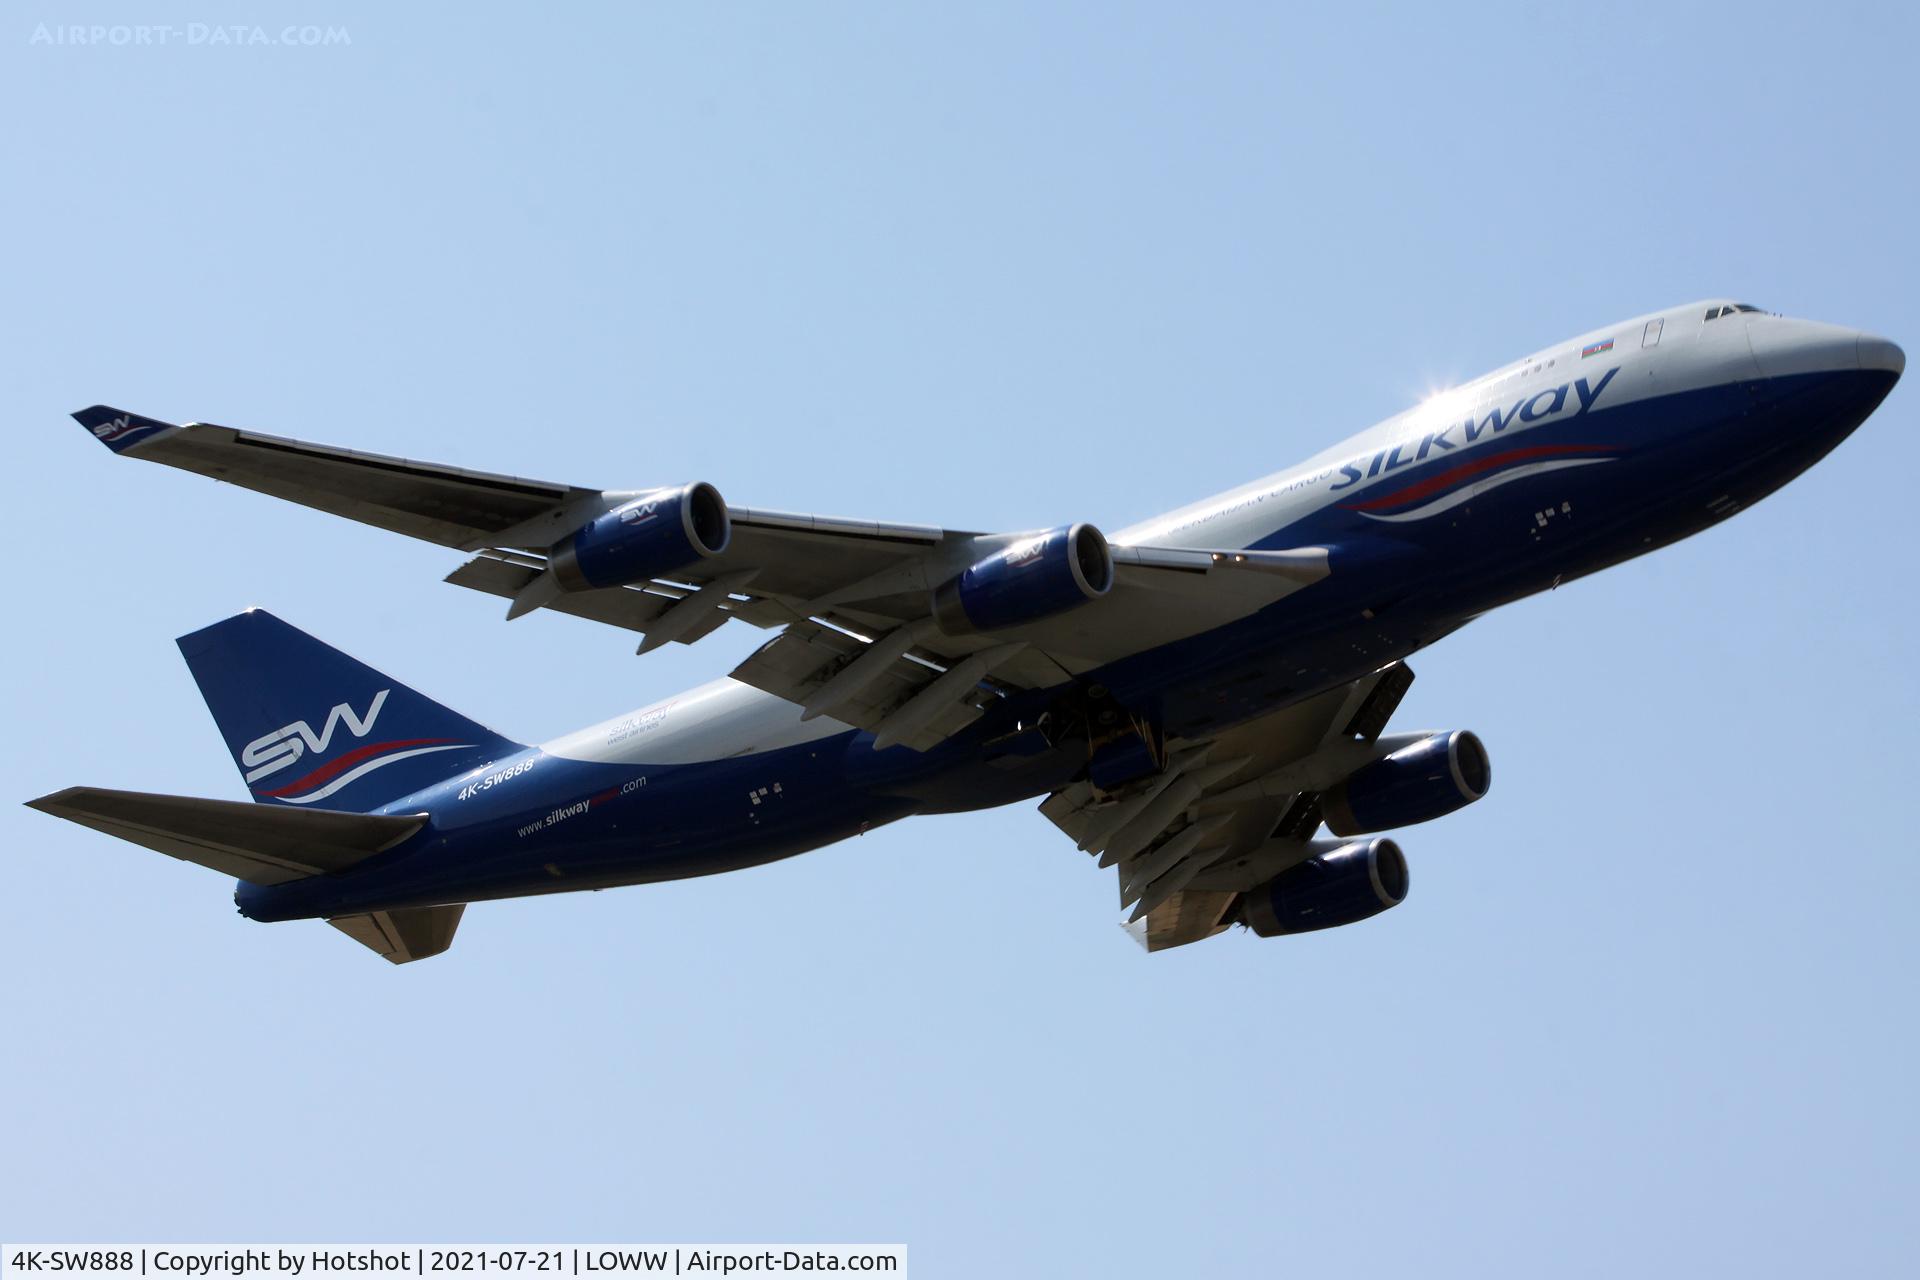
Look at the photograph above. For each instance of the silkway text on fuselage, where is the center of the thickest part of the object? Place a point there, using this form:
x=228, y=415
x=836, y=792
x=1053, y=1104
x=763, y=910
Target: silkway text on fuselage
x=1541, y=404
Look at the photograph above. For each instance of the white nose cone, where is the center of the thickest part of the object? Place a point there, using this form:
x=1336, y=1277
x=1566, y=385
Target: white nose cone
x=1878, y=353
x=1783, y=347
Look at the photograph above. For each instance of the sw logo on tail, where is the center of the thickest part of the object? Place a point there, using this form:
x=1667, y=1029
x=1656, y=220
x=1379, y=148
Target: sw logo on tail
x=271, y=752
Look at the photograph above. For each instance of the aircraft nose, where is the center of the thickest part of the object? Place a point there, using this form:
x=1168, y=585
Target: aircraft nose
x=1875, y=352
x=1784, y=347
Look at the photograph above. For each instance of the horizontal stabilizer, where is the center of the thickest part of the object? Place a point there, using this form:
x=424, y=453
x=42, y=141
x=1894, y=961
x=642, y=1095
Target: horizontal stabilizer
x=258, y=843
x=413, y=933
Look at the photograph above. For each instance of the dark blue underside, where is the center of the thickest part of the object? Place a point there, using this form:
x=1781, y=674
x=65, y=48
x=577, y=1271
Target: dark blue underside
x=1681, y=462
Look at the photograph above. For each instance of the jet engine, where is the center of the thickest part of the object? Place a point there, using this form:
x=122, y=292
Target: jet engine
x=1034, y=578
x=1417, y=783
x=650, y=537
x=1342, y=883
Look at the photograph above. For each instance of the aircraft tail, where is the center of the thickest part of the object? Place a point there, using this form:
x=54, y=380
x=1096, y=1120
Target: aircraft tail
x=308, y=725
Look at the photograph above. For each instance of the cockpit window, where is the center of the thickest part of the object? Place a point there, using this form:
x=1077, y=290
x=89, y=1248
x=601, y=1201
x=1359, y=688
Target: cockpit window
x=1714, y=313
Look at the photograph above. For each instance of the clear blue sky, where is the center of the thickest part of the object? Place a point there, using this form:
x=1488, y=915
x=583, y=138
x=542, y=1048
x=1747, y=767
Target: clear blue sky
x=1648, y=1008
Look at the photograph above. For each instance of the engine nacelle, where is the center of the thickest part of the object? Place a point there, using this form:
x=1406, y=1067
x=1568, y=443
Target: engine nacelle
x=1034, y=578
x=650, y=537
x=1342, y=883
x=1427, y=780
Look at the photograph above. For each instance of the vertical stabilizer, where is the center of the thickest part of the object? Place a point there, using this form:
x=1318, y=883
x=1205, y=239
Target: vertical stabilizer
x=308, y=725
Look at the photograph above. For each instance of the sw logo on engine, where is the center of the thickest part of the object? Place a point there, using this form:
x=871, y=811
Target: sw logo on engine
x=271, y=752
x=1021, y=552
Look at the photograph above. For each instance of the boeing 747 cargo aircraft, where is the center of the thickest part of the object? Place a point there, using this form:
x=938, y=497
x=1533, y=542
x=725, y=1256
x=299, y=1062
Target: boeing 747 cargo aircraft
x=1193, y=700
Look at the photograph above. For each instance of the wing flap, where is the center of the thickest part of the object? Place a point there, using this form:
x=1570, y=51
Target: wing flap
x=799, y=662
x=255, y=842
x=1188, y=916
x=508, y=573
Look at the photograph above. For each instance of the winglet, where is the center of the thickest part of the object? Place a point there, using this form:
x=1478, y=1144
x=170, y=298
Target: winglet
x=117, y=429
